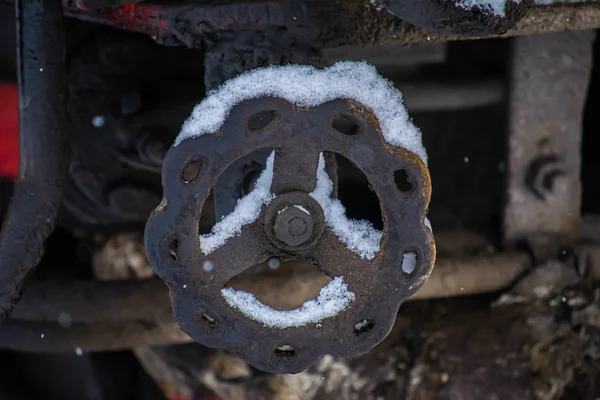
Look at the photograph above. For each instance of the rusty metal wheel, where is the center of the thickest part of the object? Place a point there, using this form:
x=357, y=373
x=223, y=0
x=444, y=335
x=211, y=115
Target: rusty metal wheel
x=290, y=215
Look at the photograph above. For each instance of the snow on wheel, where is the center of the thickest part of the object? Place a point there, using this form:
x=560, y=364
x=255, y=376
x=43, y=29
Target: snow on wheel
x=291, y=213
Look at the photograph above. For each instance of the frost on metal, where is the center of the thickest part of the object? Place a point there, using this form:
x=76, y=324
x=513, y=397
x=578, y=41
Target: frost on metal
x=495, y=7
x=246, y=211
x=333, y=298
x=307, y=86
x=427, y=223
x=304, y=210
x=358, y=235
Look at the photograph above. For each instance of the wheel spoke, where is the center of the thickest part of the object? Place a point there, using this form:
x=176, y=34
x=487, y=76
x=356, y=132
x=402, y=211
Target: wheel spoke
x=336, y=259
x=295, y=168
x=238, y=253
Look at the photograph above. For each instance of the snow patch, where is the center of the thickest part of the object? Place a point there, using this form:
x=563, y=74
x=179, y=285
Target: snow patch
x=302, y=209
x=427, y=223
x=409, y=262
x=246, y=211
x=358, y=235
x=333, y=298
x=496, y=7
x=361, y=324
x=307, y=86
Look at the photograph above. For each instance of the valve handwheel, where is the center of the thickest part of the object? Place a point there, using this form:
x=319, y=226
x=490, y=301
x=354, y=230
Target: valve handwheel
x=289, y=215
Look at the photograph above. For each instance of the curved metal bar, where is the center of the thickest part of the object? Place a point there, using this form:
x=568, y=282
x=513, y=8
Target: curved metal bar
x=148, y=300
x=120, y=315
x=95, y=301
x=48, y=337
x=43, y=145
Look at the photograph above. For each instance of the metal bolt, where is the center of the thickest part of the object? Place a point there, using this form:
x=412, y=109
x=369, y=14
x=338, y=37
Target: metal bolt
x=293, y=226
x=297, y=227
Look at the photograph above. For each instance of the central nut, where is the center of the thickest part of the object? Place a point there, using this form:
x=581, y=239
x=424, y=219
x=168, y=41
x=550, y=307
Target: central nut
x=293, y=226
x=297, y=226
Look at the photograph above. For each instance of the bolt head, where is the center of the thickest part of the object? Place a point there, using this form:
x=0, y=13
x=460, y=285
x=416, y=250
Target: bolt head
x=293, y=226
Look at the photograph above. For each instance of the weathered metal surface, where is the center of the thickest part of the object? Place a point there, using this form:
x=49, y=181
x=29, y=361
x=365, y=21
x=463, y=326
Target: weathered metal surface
x=174, y=23
x=361, y=24
x=44, y=134
x=452, y=18
x=148, y=300
x=550, y=75
x=228, y=53
x=558, y=18
x=96, y=4
x=355, y=22
x=294, y=227
x=299, y=135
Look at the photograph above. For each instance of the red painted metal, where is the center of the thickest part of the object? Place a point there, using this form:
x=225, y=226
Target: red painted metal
x=9, y=131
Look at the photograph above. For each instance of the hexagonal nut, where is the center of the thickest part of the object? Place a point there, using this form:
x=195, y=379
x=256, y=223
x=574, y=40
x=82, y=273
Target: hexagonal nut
x=293, y=226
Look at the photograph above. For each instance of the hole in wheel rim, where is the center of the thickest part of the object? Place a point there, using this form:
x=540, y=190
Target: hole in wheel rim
x=285, y=351
x=363, y=326
x=191, y=171
x=402, y=181
x=171, y=248
x=208, y=217
x=291, y=283
x=409, y=262
x=356, y=194
x=250, y=179
x=204, y=319
x=345, y=125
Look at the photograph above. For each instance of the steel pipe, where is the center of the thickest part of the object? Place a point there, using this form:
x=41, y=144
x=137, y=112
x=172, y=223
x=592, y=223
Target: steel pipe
x=43, y=145
x=148, y=300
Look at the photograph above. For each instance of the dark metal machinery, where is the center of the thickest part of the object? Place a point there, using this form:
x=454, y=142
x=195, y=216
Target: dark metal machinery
x=285, y=231
x=128, y=96
x=37, y=195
